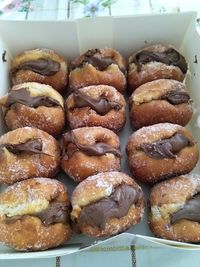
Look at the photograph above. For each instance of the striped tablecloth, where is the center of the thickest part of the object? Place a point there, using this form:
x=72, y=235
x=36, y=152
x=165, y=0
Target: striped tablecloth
x=141, y=254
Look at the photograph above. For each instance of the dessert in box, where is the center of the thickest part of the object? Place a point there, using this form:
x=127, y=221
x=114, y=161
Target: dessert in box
x=71, y=39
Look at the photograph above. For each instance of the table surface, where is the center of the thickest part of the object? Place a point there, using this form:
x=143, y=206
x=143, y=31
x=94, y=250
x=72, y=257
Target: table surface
x=117, y=255
x=68, y=9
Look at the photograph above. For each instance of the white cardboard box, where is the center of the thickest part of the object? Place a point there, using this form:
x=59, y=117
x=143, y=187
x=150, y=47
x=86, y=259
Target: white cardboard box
x=126, y=34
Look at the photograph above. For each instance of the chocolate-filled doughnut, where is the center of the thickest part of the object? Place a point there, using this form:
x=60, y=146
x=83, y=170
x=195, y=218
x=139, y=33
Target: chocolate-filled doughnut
x=174, y=211
x=35, y=105
x=99, y=105
x=158, y=61
x=40, y=65
x=34, y=214
x=160, y=101
x=107, y=204
x=161, y=151
x=28, y=152
x=98, y=66
x=90, y=150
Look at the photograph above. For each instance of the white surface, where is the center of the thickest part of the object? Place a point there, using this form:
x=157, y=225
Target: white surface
x=125, y=34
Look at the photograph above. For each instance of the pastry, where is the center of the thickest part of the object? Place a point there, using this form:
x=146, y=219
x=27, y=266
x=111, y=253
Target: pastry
x=98, y=66
x=175, y=209
x=161, y=151
x=99, y=105
x=107, y=204
x=36, y=105
x=28, y=152
x=90, y=150
x=40, y=65
x=158, y=61
x=160, y=101
x=34, y=214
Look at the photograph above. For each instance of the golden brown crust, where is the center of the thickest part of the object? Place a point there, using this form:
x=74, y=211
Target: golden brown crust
x=147, y=107
x=28, y=232
x=86, y=116
x=152, y=70
x=48, y=119
x=58, y=81
x=151, y=170
x=166, y=198
x=97, y=187
x=80, y=165
x=17, y=167
x=89, y=75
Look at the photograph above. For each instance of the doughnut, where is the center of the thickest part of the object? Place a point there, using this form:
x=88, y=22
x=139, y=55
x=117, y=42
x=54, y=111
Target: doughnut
x=159, y=101
x=98, y=66
x=161, y=151
x=35, y=105
x=106, y=204
x=158, y=61
x=90, y=150
x=28, y=152
x=40, y=65
x=34, y=214
x=99, y=105
x=174, y=209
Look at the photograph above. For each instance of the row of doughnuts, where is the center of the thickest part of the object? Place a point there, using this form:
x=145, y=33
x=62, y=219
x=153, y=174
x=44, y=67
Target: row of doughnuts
x=154, y=153
x=35, y=214
x=86, y=151
x=38, y=105
x=99, y=66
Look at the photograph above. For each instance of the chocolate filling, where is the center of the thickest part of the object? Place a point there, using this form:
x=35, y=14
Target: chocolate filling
x=116, y=205
x=95, y=58
x=99, y=149
x=169, y=57
x=23, y=97
x=43, y=66
x=32, y=146
x=177, y=97
x=190, y=211
x=102, y=106
x=166, y=148
x=57, y=212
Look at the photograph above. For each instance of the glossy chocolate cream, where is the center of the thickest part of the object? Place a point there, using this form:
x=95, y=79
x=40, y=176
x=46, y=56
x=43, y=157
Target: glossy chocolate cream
x=102, y=106
x=95, y=58
x=166, y=148
x=177, y=97
x=22, y=96
x=32, y=146
x=190, y=211
x=42, y=66
x=97, y=149
x=169, y=57
x=57, y=212
x=116, y=205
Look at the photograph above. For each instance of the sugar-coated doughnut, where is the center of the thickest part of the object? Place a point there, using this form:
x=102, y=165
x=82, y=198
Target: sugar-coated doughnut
x=35, y=105
x=98, y=66
x=40, y=65
x=28, y=152
x=90, y=150
x=161, y=151
x=158, y=61
x=99, y=105
x=159, y=101
x=106, y=204
x=174, y=209
x=34, y=214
